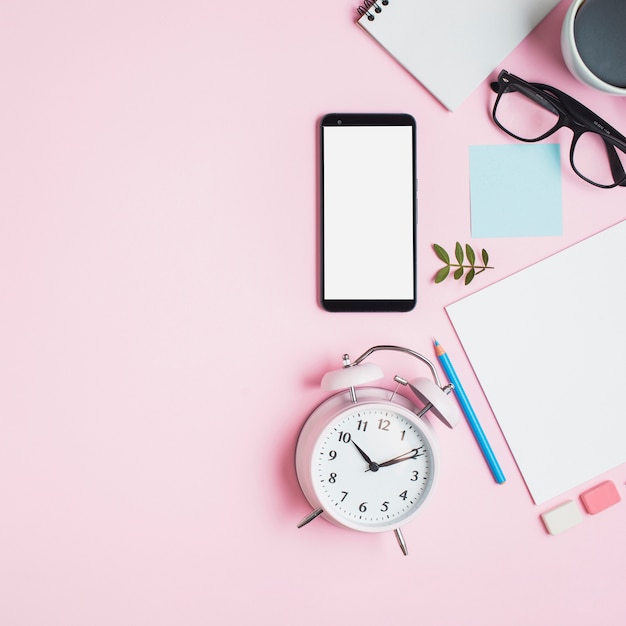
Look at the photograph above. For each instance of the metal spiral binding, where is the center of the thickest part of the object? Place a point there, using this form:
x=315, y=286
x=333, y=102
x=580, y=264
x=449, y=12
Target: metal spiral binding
x=371, y=4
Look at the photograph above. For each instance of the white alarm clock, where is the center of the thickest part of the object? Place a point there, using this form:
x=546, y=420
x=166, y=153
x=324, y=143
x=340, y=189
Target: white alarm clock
x=367, y=458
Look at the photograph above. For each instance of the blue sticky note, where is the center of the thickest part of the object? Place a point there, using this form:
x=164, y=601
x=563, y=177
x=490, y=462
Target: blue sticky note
x=516, y=190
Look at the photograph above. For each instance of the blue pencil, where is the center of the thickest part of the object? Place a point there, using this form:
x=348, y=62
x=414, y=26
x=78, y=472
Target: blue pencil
x=494, y=466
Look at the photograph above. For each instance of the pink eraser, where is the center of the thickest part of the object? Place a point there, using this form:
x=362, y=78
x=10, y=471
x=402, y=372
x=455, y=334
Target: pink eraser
x=561, y=517
x=600, y=497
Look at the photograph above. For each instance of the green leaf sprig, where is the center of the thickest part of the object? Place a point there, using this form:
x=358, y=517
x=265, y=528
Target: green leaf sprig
x=473, y=268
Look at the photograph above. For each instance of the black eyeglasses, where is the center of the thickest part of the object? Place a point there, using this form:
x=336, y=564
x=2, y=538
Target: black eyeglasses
x=533, y=111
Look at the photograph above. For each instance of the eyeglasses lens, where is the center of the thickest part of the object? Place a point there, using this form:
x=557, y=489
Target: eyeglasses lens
x=597, y=160
x=526, y=116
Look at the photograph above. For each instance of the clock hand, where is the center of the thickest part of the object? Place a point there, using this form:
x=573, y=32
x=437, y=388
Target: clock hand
x=372, y=466
x=407, y=456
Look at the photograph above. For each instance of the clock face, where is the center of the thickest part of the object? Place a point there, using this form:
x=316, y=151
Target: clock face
x=373, y=466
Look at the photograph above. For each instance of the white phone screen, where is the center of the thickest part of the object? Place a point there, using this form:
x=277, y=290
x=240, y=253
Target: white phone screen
x=368, y=215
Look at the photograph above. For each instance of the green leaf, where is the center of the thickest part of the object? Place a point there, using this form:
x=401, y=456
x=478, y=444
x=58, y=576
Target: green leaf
x=441, y=253
x=458, y=253
x=467, y=262
x=442, y=274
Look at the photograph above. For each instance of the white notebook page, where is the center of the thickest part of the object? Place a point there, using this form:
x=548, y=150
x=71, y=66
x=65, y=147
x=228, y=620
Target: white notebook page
x=451, y=46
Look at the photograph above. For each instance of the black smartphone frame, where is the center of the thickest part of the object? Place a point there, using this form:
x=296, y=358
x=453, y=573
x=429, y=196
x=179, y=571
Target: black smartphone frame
x=368, y=169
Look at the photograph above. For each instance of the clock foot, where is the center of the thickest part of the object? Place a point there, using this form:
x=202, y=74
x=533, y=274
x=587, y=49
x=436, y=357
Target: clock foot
x=310, y=517
x=401, y=541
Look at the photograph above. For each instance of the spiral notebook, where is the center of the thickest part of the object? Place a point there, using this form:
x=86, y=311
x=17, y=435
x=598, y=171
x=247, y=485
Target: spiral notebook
x=451, y=46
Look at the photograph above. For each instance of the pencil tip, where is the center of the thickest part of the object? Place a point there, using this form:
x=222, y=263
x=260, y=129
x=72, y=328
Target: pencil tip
x=435, y=341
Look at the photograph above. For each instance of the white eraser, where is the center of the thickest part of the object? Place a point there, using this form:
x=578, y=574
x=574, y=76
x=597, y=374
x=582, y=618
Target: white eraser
x=562, y=517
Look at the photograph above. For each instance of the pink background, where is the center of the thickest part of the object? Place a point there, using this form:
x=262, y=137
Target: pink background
x=161, y=342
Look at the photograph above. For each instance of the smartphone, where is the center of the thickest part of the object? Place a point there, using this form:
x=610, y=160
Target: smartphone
x=368, y=212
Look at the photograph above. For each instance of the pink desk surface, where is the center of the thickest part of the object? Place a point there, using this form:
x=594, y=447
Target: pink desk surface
x=161, y=342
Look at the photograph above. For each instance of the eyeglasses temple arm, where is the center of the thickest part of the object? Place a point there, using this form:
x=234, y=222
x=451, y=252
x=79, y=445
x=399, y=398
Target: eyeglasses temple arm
x=617, y=169
x=595, y=123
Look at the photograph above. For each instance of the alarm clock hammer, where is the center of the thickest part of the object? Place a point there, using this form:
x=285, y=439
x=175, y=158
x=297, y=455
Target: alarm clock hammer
x=342, y=442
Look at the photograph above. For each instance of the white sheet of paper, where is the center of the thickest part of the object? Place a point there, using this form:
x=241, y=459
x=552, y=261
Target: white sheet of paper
x=548, y=345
